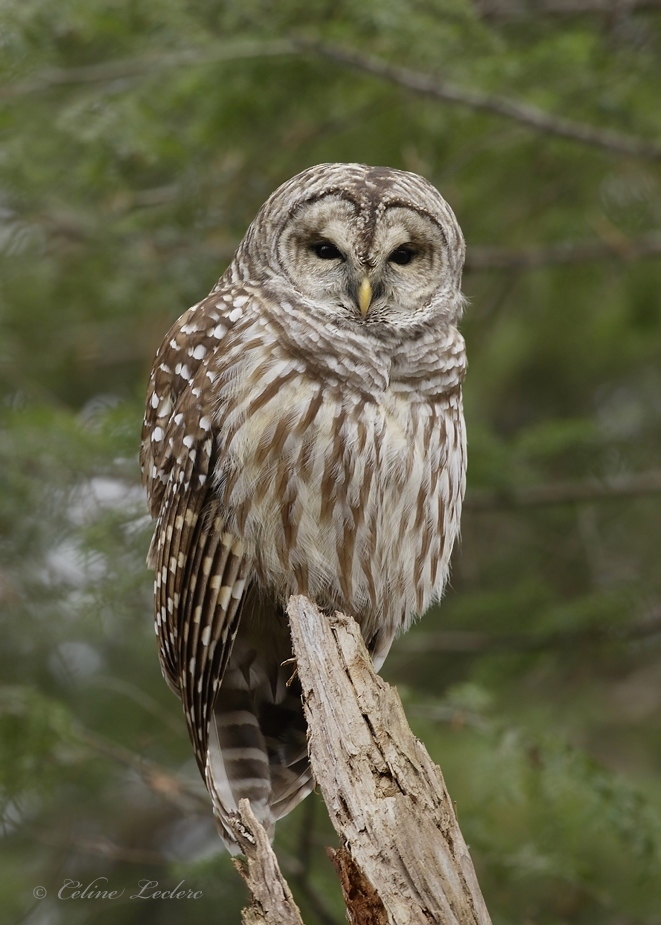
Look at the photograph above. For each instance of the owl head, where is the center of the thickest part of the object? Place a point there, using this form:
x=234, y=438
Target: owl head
x=368, y=246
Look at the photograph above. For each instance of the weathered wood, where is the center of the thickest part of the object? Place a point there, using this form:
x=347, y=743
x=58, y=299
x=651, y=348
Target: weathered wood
x=272, y=902
x=403, y=859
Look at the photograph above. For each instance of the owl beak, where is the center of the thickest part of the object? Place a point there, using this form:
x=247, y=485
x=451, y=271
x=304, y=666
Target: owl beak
x=364, y=296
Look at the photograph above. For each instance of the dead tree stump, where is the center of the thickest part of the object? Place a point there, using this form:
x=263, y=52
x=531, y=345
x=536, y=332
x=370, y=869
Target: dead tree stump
x=403, y=859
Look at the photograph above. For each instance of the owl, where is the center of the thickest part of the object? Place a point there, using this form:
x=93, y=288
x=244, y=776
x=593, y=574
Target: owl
x=304, y=434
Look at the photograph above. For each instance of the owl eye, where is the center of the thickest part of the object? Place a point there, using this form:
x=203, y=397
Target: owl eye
x=401, y=256
x=324, y=250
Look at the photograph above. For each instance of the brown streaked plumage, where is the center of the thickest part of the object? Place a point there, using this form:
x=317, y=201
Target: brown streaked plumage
x=303, y=434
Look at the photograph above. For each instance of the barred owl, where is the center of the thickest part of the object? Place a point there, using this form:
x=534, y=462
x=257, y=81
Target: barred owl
x=304, y=434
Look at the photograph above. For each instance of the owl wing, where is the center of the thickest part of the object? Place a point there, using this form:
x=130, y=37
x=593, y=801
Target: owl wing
x=200, y=568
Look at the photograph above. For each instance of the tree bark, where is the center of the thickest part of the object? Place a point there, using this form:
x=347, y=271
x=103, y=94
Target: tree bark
x=272, y=902
x=403, y=859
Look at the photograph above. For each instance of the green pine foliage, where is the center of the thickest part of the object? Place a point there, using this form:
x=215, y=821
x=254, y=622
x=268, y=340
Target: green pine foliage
x=138, y=139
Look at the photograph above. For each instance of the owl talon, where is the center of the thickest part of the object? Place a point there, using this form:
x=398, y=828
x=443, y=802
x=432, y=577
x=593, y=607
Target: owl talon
x=294, y=674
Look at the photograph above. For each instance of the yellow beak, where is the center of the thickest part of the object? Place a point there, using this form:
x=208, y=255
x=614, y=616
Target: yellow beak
x=364, y=295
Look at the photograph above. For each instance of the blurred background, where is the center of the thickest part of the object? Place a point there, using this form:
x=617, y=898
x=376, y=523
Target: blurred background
x=137, y=140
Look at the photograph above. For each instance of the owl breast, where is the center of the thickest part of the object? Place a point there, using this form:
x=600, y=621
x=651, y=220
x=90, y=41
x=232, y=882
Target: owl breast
x=352, y=498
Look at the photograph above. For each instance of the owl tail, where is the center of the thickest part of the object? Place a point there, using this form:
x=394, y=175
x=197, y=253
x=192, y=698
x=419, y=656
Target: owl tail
x=237, y=760
x=257, y=744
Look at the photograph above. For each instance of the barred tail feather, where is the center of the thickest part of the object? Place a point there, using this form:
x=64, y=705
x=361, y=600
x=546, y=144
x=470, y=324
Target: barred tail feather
x=257, y=746
x=237, y=762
